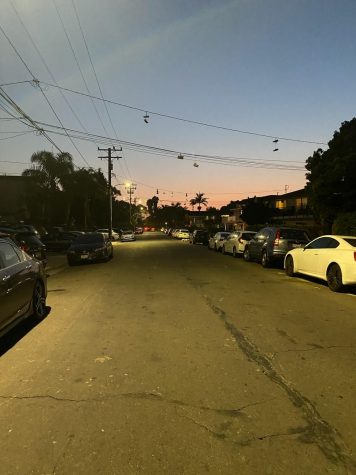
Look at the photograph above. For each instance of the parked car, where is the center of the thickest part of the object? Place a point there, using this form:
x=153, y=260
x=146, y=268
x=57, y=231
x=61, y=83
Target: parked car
x=128, y=235
x=139, y=230
x=28, y=242
x=60, y=241
x=90, y=247
x=199, y=236
x=235, y=243
x=331, y=258
x=271, y=244
x=23, y=286
x=27, y=228
x=115, y=236
x=216, y=241
x=32, y=245
x=181, y=234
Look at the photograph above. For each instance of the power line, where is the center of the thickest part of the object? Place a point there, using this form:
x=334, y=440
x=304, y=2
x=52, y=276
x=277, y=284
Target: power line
x=43, y=93
x=17, y=135
x=182, y=119
x=78, y=65
x=96, y=77
x=44, y=63
x=235, y=161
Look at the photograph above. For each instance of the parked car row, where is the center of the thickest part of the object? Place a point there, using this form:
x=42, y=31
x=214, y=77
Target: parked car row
x=331, y=258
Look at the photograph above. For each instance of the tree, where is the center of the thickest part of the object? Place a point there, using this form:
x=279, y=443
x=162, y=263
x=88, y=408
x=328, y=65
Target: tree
x=152, y=205
x=255, y=212
x=331, y=177
x=199, y=199
x=49, y=175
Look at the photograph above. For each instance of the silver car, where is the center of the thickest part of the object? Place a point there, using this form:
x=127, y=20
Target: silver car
x=216, y=241
x=235, y=243
x=127, y=236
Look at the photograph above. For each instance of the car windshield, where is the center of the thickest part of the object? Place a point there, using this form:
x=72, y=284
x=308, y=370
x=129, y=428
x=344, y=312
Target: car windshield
x=88, y=238
x=351, y=241
x=293, y=234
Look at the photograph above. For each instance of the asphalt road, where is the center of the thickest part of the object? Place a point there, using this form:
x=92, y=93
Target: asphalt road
x=171, y=359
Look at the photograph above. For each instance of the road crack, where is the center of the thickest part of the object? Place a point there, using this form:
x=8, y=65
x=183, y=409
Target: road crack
x=319, y=431
x=151, y=396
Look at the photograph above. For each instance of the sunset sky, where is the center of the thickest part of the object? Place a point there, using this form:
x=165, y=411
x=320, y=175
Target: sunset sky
x=281, y=68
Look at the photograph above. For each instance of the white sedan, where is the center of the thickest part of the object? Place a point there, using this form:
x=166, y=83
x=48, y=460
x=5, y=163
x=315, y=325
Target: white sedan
x=330, y=258
x=182, y=234
x=236, y=242
x=216, y=241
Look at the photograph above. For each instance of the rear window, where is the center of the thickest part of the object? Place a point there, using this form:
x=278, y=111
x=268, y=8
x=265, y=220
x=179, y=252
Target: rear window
x=247, y=236
x=351, y=241
x=293, y=234
x=88, y=238
x=29, y=238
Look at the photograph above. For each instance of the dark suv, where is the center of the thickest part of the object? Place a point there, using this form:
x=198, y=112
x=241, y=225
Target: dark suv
x=269, y=245
x=199, y=236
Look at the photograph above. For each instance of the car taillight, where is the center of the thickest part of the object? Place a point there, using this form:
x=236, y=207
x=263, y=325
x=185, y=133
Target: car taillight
x=276, y=241
x=24, y=247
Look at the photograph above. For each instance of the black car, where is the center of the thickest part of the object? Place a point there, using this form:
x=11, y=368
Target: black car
x=59, y=241
x=23, y=286
x=90, y=247
x=199, y=236
x=270, y=244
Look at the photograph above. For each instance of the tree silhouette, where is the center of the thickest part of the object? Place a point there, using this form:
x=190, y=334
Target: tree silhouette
x=199, y=199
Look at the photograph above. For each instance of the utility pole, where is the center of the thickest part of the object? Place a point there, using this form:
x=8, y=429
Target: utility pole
x=110, y=167
x=131, y=190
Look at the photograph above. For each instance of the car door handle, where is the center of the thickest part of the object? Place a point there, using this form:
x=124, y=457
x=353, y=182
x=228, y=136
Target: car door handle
x=6, y=277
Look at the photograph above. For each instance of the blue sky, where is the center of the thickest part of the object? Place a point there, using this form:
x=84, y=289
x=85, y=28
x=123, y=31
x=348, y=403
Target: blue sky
x=275, y=67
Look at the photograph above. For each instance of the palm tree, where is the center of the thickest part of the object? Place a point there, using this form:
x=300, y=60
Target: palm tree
x=199, y=200
x=49, y=175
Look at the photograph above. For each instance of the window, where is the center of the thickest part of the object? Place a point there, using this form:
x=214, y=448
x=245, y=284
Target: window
x=8, y=255
x=322, y=243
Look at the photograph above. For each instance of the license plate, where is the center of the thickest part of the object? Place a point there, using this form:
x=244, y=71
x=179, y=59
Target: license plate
x=296, y=245
x=84, y=256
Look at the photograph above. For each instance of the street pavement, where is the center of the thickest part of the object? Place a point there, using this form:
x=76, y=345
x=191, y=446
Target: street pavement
x=171, y=359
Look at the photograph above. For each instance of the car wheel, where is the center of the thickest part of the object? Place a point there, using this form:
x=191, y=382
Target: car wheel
x=265, y=261
x=70, y=262
x=39, y=301
x=234, y=253
x=246, y=254
x=334, y=278
x=290, y=266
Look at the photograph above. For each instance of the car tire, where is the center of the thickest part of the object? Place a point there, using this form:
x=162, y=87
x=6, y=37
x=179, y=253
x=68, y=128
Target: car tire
x=246, y=255
x=70, y=262
x=234, y=252
x=290, y=267
x=265, y=260
x=334, y=278
x=39, y=301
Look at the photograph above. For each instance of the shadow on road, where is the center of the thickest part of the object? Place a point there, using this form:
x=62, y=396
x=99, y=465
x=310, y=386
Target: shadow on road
x=18, y=332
